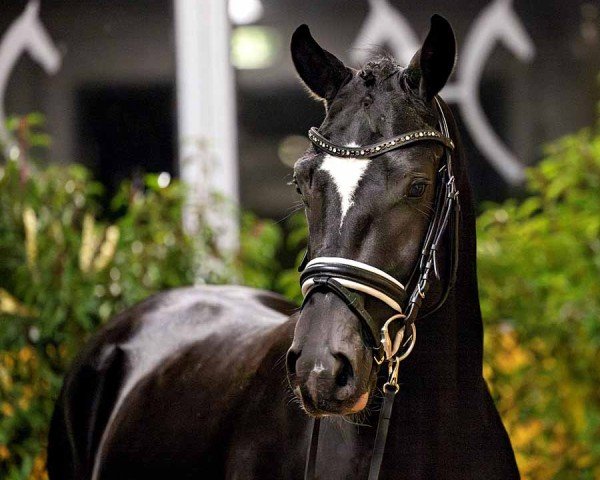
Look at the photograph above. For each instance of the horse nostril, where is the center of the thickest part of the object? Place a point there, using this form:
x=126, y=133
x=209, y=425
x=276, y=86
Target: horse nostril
x=344, y=371
x=290, y=361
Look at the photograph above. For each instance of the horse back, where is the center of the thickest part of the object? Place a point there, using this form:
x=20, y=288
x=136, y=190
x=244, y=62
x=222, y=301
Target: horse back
x=164, y=375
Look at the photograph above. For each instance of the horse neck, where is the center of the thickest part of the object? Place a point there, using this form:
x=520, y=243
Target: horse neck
x=449, y=349
x=465, y=308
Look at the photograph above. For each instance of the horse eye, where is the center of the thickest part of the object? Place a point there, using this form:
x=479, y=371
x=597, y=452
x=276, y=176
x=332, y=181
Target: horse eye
x=417, y=190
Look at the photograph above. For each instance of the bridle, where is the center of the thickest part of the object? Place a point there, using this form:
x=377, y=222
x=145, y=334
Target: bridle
x=344, y=277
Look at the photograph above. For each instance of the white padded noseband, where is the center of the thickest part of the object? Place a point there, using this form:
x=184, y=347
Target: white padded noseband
x=355, y=284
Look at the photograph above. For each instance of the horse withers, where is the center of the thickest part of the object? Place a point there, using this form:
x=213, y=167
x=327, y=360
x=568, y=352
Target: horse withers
x=225, y=382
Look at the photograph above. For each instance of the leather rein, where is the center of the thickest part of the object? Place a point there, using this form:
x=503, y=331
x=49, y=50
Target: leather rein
x=345, y=277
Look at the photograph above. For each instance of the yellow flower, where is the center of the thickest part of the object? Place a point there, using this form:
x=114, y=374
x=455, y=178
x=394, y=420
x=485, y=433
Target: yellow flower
x=8, y=361
x=26, y=354
x=584, y=461
x=10, y=305
x=511, y=357
x=23, y=403
x=89, y=243
x=31, y=225
x=4, y=452
x=57, y=232
x=107, y=249
x=488, y=371
x=7, y=409
x=5, y=379
x=27, y=392
x=38, y=472
x=523, y=434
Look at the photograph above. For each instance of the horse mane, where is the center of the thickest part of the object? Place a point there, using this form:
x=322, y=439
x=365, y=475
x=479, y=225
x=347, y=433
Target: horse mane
x=381, y=65
x=469, y=321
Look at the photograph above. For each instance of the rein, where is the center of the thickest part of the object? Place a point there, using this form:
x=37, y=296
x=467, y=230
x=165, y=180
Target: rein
x=344, y=277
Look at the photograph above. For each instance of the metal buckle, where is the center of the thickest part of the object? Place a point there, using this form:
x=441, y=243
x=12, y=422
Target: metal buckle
x=392, y=383
x=394, y=362
x=379, y=360
x=412, y=339
x=389, y=347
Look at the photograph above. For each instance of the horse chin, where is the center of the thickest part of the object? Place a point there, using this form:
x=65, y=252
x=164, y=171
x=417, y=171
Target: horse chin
x=335, y=411
x=361, y=403
x=343, y=410
x=363, y=400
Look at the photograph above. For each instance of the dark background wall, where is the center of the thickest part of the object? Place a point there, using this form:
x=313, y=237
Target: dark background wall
x=112, y=104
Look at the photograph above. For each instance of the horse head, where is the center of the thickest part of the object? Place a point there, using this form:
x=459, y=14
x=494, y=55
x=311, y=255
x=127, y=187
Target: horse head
x=39, y=44
x=27, y=33
x=369, y=212
x=510, y=30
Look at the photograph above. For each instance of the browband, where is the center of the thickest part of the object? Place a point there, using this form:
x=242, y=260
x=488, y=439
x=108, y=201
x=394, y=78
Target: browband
x=369, y=151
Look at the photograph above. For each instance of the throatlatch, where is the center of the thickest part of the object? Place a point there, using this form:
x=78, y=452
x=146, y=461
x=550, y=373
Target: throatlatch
x=348, y=278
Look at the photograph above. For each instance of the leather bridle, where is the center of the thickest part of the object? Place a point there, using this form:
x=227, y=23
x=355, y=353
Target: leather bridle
x=345, y=277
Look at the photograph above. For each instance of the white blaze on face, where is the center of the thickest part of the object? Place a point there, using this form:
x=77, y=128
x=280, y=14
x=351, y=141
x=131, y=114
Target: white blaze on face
x=346, y=174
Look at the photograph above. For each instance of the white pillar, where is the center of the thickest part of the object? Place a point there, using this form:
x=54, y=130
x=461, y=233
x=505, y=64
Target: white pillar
x=206, y=117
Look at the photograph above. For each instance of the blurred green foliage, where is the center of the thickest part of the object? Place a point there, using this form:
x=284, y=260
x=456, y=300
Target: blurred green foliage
x=64, y=270
x=539, y=272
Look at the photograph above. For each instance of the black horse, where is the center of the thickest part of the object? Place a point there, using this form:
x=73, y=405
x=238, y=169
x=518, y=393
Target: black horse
x=192, y=383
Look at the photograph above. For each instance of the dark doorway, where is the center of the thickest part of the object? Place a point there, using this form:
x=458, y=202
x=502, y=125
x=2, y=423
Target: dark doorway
x=126, y=132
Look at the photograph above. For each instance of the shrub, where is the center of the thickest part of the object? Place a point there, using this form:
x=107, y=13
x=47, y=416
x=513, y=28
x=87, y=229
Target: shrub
x=64, y=271
x=539, y=271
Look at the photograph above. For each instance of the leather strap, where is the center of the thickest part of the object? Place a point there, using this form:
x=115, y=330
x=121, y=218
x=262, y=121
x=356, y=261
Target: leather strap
x=313, y=447
x=354, y=303
x=380, y=439
x=382, y=430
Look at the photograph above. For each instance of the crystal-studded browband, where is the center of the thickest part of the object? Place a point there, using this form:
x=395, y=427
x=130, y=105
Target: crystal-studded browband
x=375, y=149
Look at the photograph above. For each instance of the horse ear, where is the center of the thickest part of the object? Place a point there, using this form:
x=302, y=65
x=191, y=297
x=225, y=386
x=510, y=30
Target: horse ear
x=322, y=72
x=436, y=58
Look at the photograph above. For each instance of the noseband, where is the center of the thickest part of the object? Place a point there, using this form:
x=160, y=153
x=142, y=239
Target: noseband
x=345, y=277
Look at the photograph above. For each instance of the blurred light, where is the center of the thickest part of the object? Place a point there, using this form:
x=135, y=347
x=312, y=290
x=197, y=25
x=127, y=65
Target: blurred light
x=589, y=24
x=243, y=12
x=137, y=247
x=115, y=274
x=164, y=179
x=115, y=289
x=501, y=216
x=253, y=47
x=34, y=334
x=14, y=152
x=291, y=148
